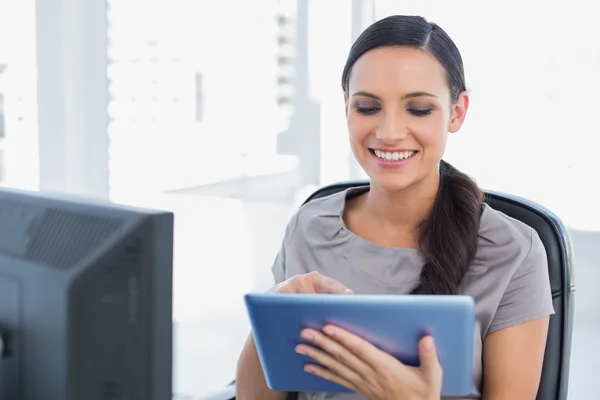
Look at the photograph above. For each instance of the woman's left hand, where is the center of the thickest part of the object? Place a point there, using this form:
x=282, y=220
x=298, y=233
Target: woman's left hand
x=353, y=362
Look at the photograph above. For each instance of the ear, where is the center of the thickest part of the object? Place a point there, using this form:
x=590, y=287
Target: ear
x=459, y=112
x=346, y=104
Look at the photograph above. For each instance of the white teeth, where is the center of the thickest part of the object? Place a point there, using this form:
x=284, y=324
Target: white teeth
x=396, y=155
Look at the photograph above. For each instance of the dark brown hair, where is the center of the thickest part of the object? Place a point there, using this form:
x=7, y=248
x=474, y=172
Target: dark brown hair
x=448, y=237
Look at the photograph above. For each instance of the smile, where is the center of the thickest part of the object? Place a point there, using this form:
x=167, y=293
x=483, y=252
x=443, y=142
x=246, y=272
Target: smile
x=393, y=158
x=394, y=155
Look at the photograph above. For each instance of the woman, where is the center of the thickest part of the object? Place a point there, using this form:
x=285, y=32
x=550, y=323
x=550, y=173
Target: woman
x=422, y=227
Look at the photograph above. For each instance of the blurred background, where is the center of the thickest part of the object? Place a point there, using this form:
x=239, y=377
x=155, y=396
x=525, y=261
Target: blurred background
x=230, y=113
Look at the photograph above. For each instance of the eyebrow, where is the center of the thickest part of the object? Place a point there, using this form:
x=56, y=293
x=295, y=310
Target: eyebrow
x=405, y=97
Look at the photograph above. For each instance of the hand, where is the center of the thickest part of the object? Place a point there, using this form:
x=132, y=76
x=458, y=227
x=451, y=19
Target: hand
x=353, y=362
x=313, y=282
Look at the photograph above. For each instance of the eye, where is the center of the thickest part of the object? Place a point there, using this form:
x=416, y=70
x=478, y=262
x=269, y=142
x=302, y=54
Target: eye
x=366, y=109
x=419, y=112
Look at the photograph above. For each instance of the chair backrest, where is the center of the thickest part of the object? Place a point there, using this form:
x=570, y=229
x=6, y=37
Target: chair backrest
x=556, y=239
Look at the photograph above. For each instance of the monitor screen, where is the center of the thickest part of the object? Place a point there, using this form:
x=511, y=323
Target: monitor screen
x=85, y=299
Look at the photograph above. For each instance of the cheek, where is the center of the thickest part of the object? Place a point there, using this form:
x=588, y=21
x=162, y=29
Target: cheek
x=359, y=128
x=431, y=132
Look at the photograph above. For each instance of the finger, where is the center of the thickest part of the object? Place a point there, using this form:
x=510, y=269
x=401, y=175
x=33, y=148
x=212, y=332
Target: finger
x=328, y=361
x=292, y=287
x=430, y=365
x=337, y=352
x=330, y=376
x=296, y=284
x=370, y=355
x=305, y=286
x=323, y=284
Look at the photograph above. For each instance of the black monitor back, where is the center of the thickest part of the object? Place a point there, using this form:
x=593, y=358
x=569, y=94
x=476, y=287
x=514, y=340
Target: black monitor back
x=85, y=299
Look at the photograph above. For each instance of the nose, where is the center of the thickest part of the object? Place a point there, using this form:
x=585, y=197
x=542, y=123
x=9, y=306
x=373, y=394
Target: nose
x=392, y=129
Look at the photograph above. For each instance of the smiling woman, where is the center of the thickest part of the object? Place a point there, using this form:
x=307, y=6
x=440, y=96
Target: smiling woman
x=420, y=228
x=402, y=100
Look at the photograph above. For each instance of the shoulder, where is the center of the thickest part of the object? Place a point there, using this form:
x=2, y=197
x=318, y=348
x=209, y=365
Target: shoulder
x=497, y=227
x=321, y=218
x=327, y=206
x=508, y=243
x=315, y=239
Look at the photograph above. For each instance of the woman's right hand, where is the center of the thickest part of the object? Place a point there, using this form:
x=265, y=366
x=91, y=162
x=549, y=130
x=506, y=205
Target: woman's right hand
x=313, y=282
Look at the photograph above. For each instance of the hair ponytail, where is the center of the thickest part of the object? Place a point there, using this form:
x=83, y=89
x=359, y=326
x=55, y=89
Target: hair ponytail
x=448, y=238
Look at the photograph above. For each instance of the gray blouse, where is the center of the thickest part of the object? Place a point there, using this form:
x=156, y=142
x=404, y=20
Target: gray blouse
x=508, y=281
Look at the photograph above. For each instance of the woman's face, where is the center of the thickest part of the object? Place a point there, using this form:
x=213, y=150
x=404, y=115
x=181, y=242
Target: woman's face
x=399, y=111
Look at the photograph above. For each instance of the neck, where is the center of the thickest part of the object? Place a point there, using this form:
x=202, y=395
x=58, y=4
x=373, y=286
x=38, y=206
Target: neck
x=405, y=209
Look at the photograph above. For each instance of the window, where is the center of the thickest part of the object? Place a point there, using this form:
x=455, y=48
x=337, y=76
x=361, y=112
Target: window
x=18, y=99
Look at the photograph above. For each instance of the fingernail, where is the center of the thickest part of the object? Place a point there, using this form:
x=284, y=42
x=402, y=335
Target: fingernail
x=330, y=330
x=427, y=343
x=307, y=335
x=348, y=291
x=300, y=350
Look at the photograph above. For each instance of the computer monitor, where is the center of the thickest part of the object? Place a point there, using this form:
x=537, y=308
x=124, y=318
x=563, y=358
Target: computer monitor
x=85, y=299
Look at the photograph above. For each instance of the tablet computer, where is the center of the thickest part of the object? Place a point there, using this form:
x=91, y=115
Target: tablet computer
x=393, y=323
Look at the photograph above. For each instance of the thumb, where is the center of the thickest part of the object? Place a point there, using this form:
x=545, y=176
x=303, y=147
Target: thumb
x=430, y=365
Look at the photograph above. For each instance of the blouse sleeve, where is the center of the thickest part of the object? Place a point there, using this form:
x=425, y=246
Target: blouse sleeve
x=528, y=295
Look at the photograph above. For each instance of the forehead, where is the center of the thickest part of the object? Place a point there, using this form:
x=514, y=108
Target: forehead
x=399, y=70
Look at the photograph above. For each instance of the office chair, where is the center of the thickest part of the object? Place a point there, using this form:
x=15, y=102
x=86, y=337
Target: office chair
x=556, y=239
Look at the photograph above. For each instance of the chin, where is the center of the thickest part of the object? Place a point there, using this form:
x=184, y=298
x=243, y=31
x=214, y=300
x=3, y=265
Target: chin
x=391, y=182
